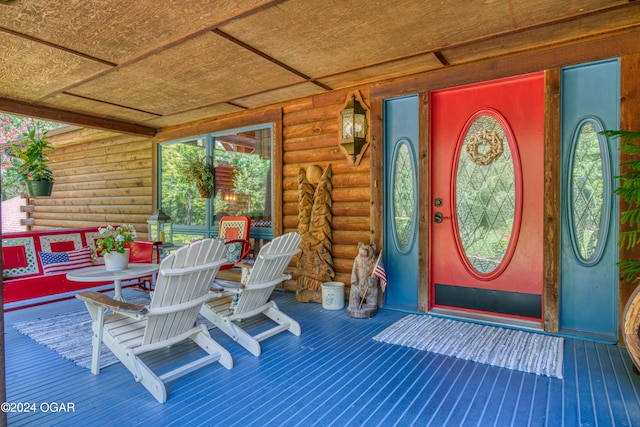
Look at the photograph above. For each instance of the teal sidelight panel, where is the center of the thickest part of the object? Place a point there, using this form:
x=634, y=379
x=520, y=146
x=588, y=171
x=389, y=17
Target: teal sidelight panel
x=589, y=211
x=401, y=202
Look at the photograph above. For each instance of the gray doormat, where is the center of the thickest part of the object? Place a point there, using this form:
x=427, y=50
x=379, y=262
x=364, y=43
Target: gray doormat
x=507, y=348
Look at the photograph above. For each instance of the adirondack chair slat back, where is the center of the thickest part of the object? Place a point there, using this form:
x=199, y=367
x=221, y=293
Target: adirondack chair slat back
x=273, y=259
x=173, y=290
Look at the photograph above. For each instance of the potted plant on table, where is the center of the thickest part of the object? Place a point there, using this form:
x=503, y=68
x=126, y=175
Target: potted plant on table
x=198, y=169
x=33, y=152
x=111, y=245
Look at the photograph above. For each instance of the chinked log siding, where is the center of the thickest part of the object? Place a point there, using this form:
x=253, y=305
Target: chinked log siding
x=101, y=178
x=311, y=137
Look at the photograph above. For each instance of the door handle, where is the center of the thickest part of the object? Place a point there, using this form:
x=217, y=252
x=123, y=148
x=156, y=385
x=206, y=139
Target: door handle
x=437, y=217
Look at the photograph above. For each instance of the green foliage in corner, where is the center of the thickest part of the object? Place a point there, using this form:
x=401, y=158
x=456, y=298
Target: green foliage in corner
x=629, y=191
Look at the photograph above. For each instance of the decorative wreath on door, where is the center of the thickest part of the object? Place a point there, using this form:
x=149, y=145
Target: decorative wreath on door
x=484, y=147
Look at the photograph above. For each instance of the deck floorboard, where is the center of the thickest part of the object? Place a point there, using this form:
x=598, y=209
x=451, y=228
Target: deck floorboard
x=334, y=374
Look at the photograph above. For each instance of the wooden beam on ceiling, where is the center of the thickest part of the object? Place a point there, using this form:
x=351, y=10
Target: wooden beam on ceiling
x=68, y=117
x=268, y=58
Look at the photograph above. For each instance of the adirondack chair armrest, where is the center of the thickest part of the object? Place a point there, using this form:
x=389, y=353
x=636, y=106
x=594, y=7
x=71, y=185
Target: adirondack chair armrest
x=109, y=303
x=279, y=255
x=242, y=264
x=226, y=285
x=194, y=269
x=160, y=311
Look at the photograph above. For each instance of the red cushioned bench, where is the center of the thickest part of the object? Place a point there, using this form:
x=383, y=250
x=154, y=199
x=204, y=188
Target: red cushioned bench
x=25, y=278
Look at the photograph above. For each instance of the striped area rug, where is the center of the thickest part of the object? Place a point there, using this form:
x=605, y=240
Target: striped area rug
x=70, y=335
x=507, y=348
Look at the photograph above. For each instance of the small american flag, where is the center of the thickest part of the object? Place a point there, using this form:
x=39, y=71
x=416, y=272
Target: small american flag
x=379, y=272
x=60, y=262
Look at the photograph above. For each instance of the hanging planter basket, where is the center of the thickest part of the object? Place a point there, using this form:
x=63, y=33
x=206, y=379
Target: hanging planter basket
x=204, y=190
x=199, y=170
x=39, y=188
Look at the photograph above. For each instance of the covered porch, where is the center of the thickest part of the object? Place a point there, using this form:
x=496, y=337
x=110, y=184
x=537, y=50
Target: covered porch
x=133, y=77
x=333, y=374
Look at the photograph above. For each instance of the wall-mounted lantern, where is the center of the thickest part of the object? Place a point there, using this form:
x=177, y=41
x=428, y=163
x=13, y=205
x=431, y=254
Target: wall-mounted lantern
x=353, y=128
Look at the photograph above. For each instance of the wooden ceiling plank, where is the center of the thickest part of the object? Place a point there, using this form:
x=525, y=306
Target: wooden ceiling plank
x=265, y=56
x=210, y=125
x=122, y=30
x=173, y=120
x=205, y=70
x=62, y=116
x=57, y=46
x=73, y=103
x=390, y=70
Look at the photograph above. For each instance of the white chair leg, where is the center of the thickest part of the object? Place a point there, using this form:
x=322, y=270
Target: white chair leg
x=208, y=344
x=97, y=314
x=280, y=318
x=241, y=337
x=151, y=382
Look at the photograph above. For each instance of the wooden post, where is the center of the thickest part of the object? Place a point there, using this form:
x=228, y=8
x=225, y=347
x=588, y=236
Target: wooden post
x=551, y=244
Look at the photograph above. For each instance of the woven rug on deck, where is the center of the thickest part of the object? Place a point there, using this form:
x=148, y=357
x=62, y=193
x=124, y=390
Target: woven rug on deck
x=507, y=348
x=70, y=334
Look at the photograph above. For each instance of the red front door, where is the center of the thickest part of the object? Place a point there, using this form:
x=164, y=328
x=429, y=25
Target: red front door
x=487, y=191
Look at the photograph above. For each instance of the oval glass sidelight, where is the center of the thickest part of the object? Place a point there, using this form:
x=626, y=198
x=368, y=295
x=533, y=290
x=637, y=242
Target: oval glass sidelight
x=589, y=191
x=404, y=196
x=487, y=195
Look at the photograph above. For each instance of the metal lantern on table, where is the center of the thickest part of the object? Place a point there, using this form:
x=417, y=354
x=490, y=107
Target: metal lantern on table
x=160, y=227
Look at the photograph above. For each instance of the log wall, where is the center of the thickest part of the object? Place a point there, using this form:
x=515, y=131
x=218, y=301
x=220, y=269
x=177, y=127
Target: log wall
x=101, y=178
x=311, y=137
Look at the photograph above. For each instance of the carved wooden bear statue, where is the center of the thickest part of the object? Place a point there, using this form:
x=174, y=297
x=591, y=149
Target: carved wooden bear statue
x=363, y=297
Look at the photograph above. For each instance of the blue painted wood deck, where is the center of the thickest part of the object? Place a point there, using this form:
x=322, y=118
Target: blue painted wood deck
x=334, y=374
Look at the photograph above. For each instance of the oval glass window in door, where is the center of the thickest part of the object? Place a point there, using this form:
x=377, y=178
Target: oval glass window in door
x=590, y=189
x=404, y=196
x=487, y=190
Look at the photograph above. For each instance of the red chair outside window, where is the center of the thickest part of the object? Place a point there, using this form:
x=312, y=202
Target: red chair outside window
x=144, y=251
x=235, y=230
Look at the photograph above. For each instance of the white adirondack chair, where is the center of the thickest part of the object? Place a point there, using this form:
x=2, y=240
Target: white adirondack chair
x=253, y=296
x=182, y=287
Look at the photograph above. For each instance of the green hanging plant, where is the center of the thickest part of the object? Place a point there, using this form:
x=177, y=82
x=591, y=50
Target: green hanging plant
x=198, y=169
x=629, y=191
x=33, y=153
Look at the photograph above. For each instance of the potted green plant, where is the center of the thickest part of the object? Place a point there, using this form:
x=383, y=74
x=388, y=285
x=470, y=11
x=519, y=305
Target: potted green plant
x=629, y=191
x=33, y=152
x=112, y=245
x=198, y=169
x=629, y=237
